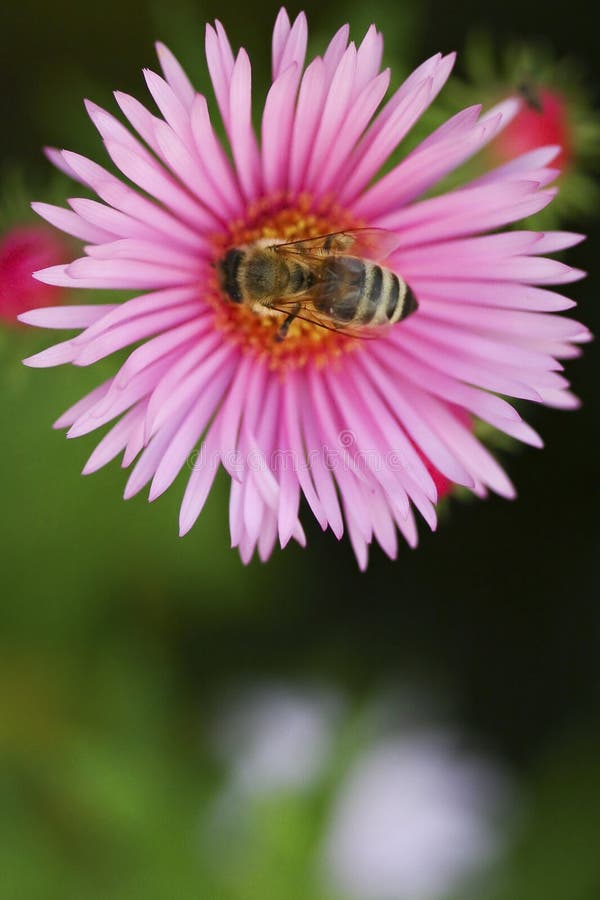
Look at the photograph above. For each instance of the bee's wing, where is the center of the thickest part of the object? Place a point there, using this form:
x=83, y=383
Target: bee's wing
x=370, y=243
x=303, y=306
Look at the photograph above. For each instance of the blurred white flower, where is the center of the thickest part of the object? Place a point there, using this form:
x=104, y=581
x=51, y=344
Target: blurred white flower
x=276, y=736
x=413, y=820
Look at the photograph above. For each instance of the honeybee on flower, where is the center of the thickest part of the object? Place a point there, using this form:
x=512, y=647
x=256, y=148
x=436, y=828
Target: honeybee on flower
x=238, y=383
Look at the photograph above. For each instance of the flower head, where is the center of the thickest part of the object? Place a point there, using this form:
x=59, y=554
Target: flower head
x=355, y=426
x=23, y=249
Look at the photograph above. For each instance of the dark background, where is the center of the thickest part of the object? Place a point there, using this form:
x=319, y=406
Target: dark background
x=116, y=634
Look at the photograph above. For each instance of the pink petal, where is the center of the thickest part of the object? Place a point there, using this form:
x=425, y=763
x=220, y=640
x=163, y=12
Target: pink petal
x=421, y=170
x=153, y=178
x=519, y=167
x=258, y=437
x=513, y=323
x=333, y=114
x=443, y=359
x=175, y=75
x=113, y=275
x=471, y=344
x=281, y=32
x=132, y=331
x=464, y=444
x=148, y=462
x=381, y=435
x=136, y=390
x=146, y=303
x=357, y=540
x=369, y=156
x=57, y=355
x=491, y=294
x=461, y=123
x=553, y=241
x=394, y=121
x=241, y=132
x=320, y=471
x=114, y=440
x=82, y=406
x=200, y=481
x=401, y=364
x=216, y=163
x=229, y=420
x=559, y=399
x=363, y=108
x=417, y=262
x=416, y=173
x=140, y=118
x=368, y=59
x=145, y=251
x=220, y=66
x=267, y=536
x=57, y=159
x=215, y=369
x=289, y=502
x=384, y=528
x=277, y=127
x=296, y=442
x=169, y=104
x=119, y=195
x=335, y=50
x=186, y=437
x=71, y=223
x=398, y=408
x=465, y=211
x=308, y=111
x=292, y=49
x=188, y=167
x=114, y=131
x=190, y=356
x=179, y=337
x=65, y=316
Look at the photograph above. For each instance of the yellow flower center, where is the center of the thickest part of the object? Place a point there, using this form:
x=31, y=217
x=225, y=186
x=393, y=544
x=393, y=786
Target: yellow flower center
x=283, y=219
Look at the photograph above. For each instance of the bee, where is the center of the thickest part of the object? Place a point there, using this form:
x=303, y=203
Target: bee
x=333, y=280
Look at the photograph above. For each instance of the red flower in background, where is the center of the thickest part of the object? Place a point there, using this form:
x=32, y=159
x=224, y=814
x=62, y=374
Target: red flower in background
x=542, y=121
x=23, y=250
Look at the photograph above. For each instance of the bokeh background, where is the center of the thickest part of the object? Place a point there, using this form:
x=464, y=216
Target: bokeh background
x=174, y=725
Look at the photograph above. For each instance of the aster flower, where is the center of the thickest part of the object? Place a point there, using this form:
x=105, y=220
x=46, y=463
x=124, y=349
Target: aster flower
x=353, y=426
x=23, y=249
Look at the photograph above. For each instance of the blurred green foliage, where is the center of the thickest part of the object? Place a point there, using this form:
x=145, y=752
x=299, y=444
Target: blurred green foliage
x=117, y=638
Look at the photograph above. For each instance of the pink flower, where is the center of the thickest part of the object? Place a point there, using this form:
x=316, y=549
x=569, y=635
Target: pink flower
x=343, y=422
x=22, y=250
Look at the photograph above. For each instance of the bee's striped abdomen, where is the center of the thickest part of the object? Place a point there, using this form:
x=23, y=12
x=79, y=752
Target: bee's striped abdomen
x=374, y=284
x=401, y=301
x=384, y=298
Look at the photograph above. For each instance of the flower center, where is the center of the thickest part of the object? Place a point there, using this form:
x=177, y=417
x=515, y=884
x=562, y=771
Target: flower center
x=285, y=220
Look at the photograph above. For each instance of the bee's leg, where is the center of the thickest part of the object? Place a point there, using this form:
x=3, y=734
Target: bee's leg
x=285, y=325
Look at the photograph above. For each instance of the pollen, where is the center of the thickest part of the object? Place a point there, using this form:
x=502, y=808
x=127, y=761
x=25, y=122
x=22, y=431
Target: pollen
x=283, y=219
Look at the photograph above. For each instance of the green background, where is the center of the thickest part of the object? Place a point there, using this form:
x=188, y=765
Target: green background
x=117, y=638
